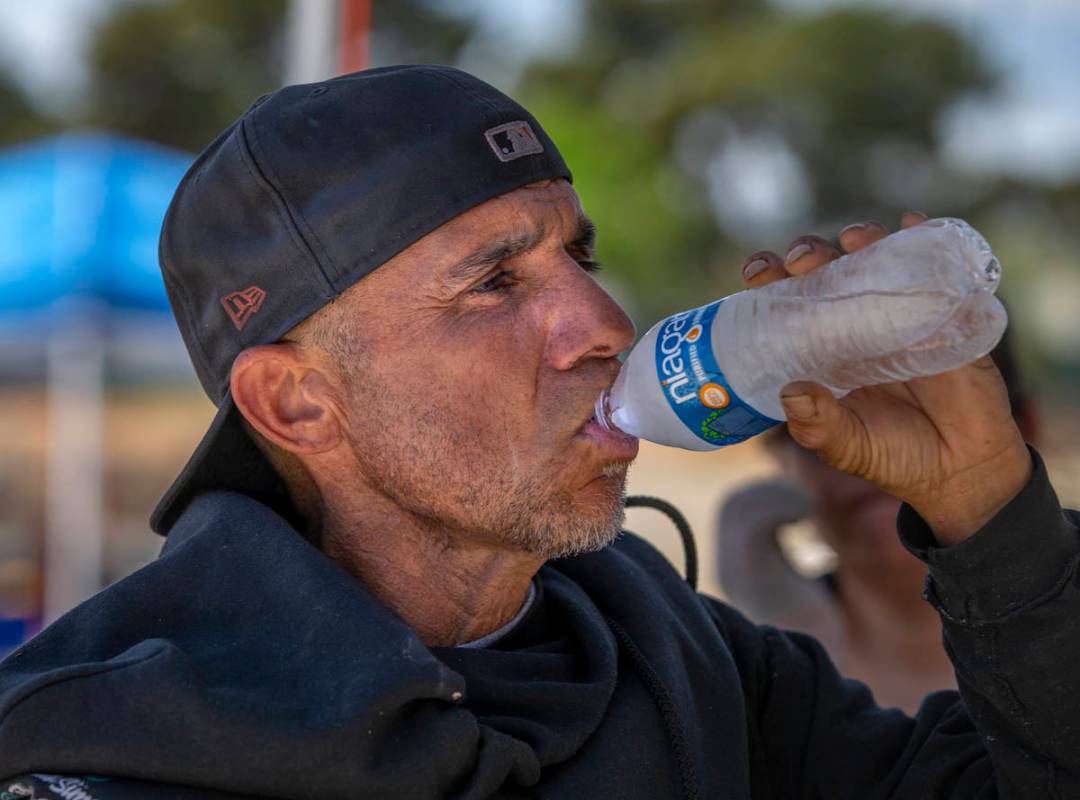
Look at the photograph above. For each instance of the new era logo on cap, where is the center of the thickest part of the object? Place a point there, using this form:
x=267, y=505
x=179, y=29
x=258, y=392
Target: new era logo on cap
x=241, y=305
x=513, y=140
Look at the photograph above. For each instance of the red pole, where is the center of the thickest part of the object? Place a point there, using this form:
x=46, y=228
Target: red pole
x=355, y=35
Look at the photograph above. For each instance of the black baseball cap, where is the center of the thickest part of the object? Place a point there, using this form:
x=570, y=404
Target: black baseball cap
x=310, y=190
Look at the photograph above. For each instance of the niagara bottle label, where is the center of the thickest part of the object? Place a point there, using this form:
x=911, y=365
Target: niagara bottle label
x=693, y=384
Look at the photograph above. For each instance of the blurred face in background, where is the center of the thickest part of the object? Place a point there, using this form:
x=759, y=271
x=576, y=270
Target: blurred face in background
x=855, y=518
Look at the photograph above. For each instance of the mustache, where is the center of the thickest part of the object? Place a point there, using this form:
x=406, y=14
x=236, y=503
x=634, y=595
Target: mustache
x=577, y=402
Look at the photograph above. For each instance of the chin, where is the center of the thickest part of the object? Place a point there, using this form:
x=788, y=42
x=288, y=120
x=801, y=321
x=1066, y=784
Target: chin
x=600, y=516
x=562, y=513
x=584, y=537
x=584, y=522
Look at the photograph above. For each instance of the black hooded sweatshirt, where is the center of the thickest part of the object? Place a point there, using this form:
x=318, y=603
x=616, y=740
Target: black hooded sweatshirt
x=245, y=663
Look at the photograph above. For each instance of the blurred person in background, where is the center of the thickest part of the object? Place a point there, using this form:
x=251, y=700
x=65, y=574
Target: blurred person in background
x=393, y=565
x=867, y=611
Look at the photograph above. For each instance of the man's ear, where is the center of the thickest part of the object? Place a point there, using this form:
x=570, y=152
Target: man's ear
x=288, y=397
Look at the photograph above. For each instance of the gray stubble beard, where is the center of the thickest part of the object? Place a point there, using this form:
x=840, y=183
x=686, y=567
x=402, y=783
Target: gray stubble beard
x=529, y=517
x=545, y=527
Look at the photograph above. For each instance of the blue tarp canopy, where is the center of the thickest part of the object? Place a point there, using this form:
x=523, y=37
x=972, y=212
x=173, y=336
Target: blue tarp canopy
x=80, y=215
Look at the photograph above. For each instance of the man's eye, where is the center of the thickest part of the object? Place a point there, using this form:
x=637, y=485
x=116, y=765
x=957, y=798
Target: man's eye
x=589, y=265
x=496, y=283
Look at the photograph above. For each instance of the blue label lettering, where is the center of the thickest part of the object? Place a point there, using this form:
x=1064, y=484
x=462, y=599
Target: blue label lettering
x=702, y=399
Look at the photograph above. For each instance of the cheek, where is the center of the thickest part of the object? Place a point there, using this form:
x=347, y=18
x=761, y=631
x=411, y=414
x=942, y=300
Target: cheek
x=472, y=397
x=491, y=361
x=458, y=395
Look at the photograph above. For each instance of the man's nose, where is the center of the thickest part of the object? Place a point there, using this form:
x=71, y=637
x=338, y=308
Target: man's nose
x=585, y=322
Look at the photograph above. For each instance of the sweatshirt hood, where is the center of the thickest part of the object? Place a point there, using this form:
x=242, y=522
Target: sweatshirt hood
x=246, y=660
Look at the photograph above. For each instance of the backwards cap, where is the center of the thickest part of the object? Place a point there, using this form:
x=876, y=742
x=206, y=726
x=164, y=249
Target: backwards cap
x=310, y=190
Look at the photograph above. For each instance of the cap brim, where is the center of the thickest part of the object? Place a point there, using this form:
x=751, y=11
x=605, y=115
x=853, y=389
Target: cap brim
x=226, y=459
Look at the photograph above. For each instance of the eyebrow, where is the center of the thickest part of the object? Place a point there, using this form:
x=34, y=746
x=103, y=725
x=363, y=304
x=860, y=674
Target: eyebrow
x=491, y=253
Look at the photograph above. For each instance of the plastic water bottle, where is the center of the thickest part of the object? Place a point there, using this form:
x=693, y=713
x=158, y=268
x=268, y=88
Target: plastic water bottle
x=915, y=303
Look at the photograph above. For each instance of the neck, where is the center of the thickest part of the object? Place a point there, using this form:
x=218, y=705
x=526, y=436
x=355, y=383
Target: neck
x=447, y=586
x=887, y=619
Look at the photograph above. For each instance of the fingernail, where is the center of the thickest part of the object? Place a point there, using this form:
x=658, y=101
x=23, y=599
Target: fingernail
x=755, y=267
x=855, y=226
x=797, y=252
x=799, y=406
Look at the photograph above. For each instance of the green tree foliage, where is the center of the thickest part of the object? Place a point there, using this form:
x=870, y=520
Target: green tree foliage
x=19, y=120
x=416, y=32
x=656, y=95
x=853, y=95
x=178, y=72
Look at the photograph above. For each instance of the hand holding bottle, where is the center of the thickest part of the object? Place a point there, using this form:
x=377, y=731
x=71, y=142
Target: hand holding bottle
x=946, y=444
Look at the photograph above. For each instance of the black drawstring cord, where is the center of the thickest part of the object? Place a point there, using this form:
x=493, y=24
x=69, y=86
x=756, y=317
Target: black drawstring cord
x=666, y=706
x=689, y=547
x=672, y=724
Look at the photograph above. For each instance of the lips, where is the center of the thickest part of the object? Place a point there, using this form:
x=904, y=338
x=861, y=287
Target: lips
x=614, y=444
x=589, y=420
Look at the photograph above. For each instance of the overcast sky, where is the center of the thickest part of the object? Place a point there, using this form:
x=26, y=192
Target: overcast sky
x=1033, y=128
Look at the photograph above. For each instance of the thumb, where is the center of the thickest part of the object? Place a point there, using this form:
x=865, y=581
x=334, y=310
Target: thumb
x=817, y=421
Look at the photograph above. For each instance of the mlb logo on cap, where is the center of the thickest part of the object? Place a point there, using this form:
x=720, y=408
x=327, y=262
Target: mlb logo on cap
x=513, y=140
